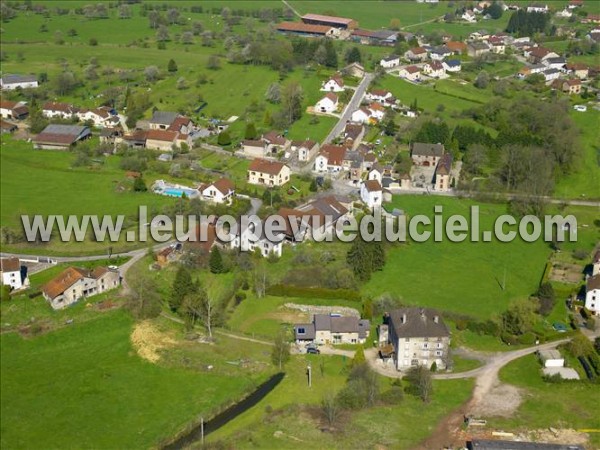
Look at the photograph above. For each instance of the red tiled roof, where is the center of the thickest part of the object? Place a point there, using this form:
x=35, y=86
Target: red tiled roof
x=412, y=69
x=10, y=265
x=266, y=166
x=224, y=185
x=7, y=104
x=331, y=96
x=161, y=135
x=373, y=186
x=300, y=27
x=62, y=282
x=334, y=153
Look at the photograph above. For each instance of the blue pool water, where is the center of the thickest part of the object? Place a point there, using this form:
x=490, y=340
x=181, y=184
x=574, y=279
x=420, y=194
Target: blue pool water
x=175, y=192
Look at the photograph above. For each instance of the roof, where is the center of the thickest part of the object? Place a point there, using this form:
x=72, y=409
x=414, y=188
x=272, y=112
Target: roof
x=391, y=58
x=479, y=45
x=163, y=117
x=456, y=46
x=596, y=258
x=327, y=206
x=539, y=52
x=379, y=92
x=337, y=79
x=61, y=134
x=309, y=331
x=334, y=153
x=550, y=354
x=418, y=322
x=452, y=63
x=330, y=19
x=57, y=106
x=161, y=135
x=62, y=282
x=352, y=131
x=424, y=149
x=483, y=444
x=179, y=122
x=13, y=79
x=253, y=143
x=418, y=50
x=445, y=165
x=376, y=107
x=265, y=166
x=308, y=143
x=593, y=282
x=4, y=125
x=223, y=185
x=441, y=50
x=575, y=82
x=337, y=324
x=299, y=27
x=412, y=69
x=274, y=138
x=331, y=96
x=7, y=104
x=373, y=186
x=10, y=265
x=436, y=65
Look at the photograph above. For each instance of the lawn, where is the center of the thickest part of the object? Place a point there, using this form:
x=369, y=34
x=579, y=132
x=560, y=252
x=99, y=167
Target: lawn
x=460, y=277
x=562, y=405
x=84, y=386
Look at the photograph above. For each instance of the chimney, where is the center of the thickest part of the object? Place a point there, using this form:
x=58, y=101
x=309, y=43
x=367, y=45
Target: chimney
x=404, y=318
x=436, y=319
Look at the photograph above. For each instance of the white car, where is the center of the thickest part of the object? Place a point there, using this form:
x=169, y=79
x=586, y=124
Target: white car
x=580, y=108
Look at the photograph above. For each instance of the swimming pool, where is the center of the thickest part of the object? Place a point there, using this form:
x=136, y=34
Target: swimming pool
x=177, y=192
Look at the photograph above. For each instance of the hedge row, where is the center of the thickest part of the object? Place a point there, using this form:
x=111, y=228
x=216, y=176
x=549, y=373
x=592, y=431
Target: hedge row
x=286, y=290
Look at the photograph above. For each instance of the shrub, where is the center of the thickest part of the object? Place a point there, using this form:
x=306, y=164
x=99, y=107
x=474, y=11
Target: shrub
x=527, y=339
x=224, y=139
x=580, y=254
x=286, y=290
x=240, y=297
x=508, y=338
x=394, y=396
x=461, y=324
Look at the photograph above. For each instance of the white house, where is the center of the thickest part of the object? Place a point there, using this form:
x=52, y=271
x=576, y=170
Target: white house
x=411, y=73
x=452, y=65
x=334, y=84
x=592, y=294
x=565, y=13
x=434, y=69
x=306, y=149
x=440, y=53
x=100, y=117
x=220, y=191
x=596, y=263
x=10, y=268
x=371, y=193
x=537, y=7
x=376, y=173
x=330, y=158
x=268, y=173
x=327, y=104
x=361, y=115
x=60, y=110
x=10, y=82
x=379, y=95
x=469, y=16
x=247, y=240
x=551, y=74
x=377, y=111
x=390, y=62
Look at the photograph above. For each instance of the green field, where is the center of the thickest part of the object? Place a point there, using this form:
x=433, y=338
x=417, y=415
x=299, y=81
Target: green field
x=562, y=405
x=84, y=386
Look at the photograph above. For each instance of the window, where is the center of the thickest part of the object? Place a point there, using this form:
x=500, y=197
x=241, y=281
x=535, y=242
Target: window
x=301, y=331
x=438, y=353
x=407, y=339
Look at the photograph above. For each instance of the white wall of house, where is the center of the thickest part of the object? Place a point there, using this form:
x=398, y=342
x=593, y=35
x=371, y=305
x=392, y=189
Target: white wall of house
x=326, y=105
x=267, y=179
x=389, y=63
x=592, y=301
x=359, y=116
x=12, y=279
x=165, y=146
x=332, y=86
x=25, y=85
x=372, y=199
x=321, y=163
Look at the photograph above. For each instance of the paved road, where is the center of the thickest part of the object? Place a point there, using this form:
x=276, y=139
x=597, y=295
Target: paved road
x=352, y=105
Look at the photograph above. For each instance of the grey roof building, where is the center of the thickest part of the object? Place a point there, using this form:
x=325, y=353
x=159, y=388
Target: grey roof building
x=333, y=329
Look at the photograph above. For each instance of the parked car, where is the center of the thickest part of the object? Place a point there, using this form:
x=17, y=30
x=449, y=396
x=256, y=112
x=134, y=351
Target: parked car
x=580, y=108
x=313, y=351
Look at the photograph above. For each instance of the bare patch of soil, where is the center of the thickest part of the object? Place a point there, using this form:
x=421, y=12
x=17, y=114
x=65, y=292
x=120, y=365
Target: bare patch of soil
x=502, y=400
x=148, y=341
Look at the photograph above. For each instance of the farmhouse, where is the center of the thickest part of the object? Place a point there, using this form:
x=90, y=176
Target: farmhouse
x=434, y=69
x=327, y=104
x=163, y=140
x=537, y=55
x=427, y=155
x=456, y=47
x=581, y=71
x=268, y=173
x=377, y=111
x=13, y=110
x=390, y=61
x=162, y=120
x=304, y=29
x=75, y=283
x=60, y=137
x=220, y=191
x=452, y=65
x=354, y=70
x=332, y=329
x=371, y=193
x=477, y=48
x=416, y=54
x=592, y=294
x=306, y=149
x=354, y=133
x=439, y=53
x=571, y=87
x=419, y=337
x=60, y=110
x=551, y=74
x=330, y=158
x=275, y=143
x=442, y=177
x=11, y=82
x=11, y=274
x=411, y=73
x=537, y=7
x=334, y=84
x=330, y=21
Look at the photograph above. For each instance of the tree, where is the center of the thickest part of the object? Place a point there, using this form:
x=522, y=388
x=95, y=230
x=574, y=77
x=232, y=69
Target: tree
x=580, y=345
x=273, y=93
x=520, y=317
x=139, y=185
x=547, y=298
x=365, y=257
x=65, y=83
x=261, y=280
x=124, y=11
x=173, y=16
x=331, y=408
x=197, y=27
x=144, y=298
x=213, y=63
x=281, y=350
x=93, y=42
x=483, y=80
x=58, y=38
x=181, y=287
x=215, y=261
x=420, y=379
x=353, y=55
x=224, y=138
x=181, y=83
x=72, y=32
x=359, y=356
x=495, y=10
x=162, y=34
x=90, y=72
x=250, y=132
x=172, y=66
x=291, y=101
x=187, y=38
x=394, y=24
x=151, y=73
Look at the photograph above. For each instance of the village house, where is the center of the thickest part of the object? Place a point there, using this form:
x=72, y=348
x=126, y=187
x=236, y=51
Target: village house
x=417, y=54
x=327, y=104
x=371, y=193
x=306, y=150
x=254, y=147
x=477, y=48
x=456, y=47
x=419, y=337
x=571, y=87
x=479, y=35
x=13, y=110
x=111, y=135
x=99, y=117
x=377, y=111
x=354, y=70
x=497, y=45
x=537, y=55
x=334, y=84
x=330, y=158
x=452, y=65
x=427, y=155
x=60, y=137
x=390, y=62
x=167, y=255
x=334, y=329
x=558, y=63
x=410, y=73
x=162, y=120
x=380, y=95
x=361, y=115
x=564, y=14
x=434, y=69
x=537, y=7
x=592, y=294
x=11, y=82
x=551, y=74
x=220, y=191
x=135, y=139
x=248, y=240
x=275, y=143
x=581, y=71
x=353, y=133
x=573, y=4
x=268, y=173
x=163, y=140
x=469, y=16
x=440, y=53
x=443, y=173
x=11, y=273
x=75, y=283
x=59, y=110
x=7, y=127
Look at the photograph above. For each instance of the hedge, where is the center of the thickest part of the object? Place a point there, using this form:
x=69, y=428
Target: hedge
x=286, y=290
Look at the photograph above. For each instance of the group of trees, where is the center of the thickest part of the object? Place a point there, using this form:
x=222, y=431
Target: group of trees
x=290, y=96
x=525, y=23
x=365, y=258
